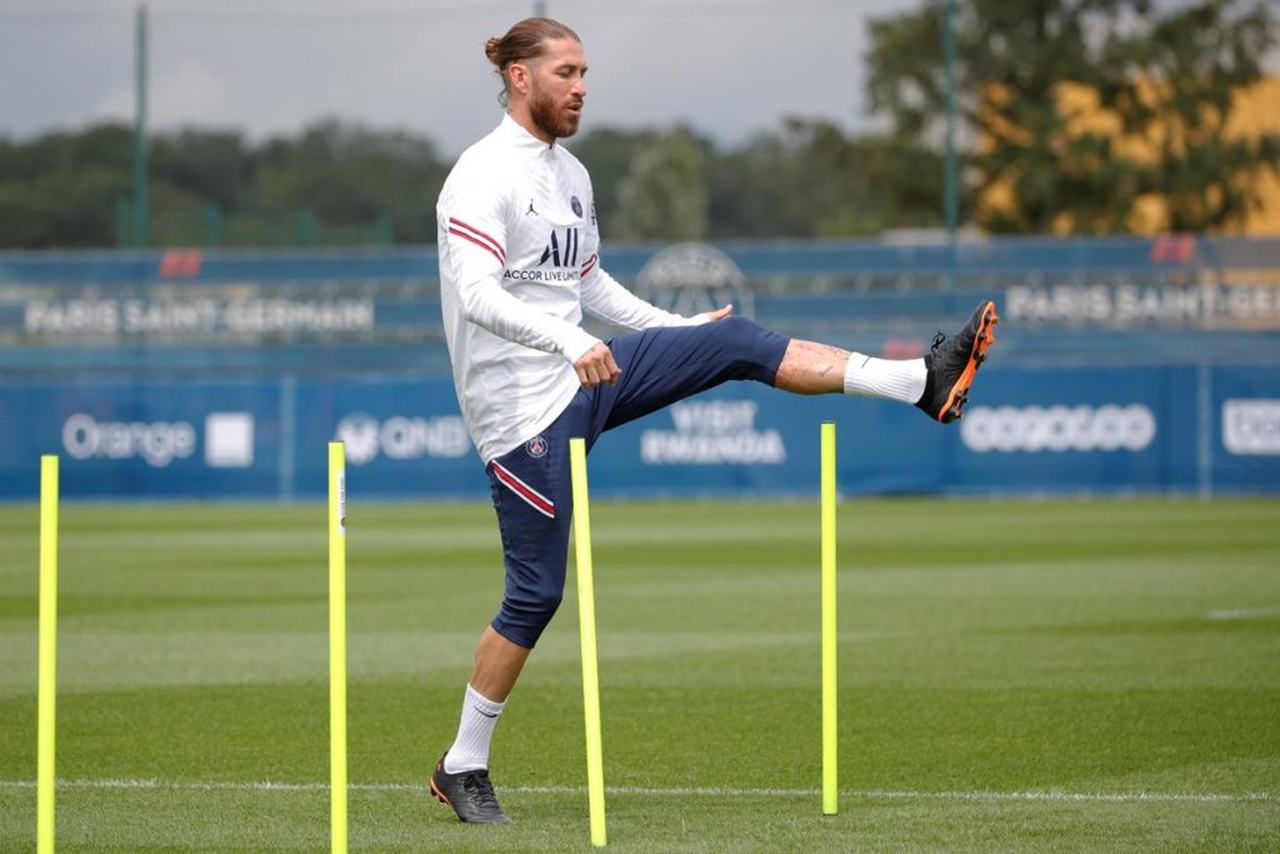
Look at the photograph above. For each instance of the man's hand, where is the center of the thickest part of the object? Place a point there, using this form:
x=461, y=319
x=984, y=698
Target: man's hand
x=597, y=366
x=720, y=313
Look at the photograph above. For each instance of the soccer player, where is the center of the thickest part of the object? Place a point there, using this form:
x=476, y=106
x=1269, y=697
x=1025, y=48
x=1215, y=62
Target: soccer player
x=519, y=264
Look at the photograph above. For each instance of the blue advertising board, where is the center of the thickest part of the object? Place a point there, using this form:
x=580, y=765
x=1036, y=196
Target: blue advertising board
x=1063, y=430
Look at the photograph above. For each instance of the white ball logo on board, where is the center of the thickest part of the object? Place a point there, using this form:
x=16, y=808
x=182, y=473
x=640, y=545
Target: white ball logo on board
x=1058, y=429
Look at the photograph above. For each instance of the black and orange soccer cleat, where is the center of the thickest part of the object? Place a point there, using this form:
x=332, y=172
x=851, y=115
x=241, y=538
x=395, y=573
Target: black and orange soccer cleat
x=953, y=362
x=469, y=793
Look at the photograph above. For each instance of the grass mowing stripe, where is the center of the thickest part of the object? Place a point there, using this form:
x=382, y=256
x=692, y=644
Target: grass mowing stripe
x=675, y=791
x=1243, y=614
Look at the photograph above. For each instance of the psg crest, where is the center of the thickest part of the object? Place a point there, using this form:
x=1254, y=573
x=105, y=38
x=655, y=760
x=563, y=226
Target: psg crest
x=537, y=446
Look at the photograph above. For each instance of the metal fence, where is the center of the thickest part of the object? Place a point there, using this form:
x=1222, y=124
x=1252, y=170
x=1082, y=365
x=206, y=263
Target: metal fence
x=193, y=312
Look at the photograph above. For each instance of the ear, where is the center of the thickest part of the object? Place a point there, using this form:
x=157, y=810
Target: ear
x=520, y=75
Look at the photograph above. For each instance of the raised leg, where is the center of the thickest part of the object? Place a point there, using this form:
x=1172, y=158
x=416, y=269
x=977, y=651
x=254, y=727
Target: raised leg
x=811, y=368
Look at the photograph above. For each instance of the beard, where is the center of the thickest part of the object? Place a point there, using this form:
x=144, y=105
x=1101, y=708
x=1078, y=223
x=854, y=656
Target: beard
x=551, y=119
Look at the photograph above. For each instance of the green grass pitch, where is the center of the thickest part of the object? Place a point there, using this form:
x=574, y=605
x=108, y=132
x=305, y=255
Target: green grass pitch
x=1013, y=675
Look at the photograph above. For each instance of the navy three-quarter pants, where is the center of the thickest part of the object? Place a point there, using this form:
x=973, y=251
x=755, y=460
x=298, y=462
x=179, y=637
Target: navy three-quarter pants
x=531, y=486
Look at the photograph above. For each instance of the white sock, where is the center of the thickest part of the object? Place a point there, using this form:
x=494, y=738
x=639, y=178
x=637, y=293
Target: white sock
x=470, y=750
x=895, y=379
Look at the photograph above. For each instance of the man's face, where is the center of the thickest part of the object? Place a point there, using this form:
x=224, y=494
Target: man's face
x=557, y=89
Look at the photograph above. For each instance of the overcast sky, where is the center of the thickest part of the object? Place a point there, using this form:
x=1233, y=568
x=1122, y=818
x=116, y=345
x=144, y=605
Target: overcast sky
x=727, y=67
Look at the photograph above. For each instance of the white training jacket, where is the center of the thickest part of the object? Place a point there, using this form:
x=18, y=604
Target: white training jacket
x=519, y=261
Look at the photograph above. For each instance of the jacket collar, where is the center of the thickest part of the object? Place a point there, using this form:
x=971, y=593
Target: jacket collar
x=521, y=138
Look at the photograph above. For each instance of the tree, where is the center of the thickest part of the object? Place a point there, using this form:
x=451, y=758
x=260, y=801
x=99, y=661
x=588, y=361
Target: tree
x=215, y=166
x=65, y=189
x=1202, y=57
x=1076, y=109
x=61, y=189
x=815, y=181
x=349, y=175
x=664, y=195
x=607, y=155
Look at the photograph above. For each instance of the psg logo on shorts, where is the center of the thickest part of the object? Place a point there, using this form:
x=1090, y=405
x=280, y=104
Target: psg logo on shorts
x=576, y=205
x=537, y=446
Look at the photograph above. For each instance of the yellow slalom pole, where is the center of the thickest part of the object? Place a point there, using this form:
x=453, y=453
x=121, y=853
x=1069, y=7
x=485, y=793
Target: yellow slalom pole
x=587, y=633
x=830, y=791
x=338, y=645
x=48, y=654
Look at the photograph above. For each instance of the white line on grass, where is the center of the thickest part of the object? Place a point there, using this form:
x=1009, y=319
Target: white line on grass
x=677, y=791
x=1243, y=614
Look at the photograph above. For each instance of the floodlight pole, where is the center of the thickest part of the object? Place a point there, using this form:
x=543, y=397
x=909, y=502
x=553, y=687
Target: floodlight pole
x=140, y=211
x=950, y=202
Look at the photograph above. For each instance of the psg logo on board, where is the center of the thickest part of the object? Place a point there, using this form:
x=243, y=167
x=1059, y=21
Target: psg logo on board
x=576, y=205
x=536, y=447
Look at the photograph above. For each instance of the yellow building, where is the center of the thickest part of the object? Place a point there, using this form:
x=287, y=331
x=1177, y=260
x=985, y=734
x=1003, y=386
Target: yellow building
x=1256, y=112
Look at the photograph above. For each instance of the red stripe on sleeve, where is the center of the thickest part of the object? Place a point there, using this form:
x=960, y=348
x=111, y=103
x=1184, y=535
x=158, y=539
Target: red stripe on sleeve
x=485, y=246
x=477, y=233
